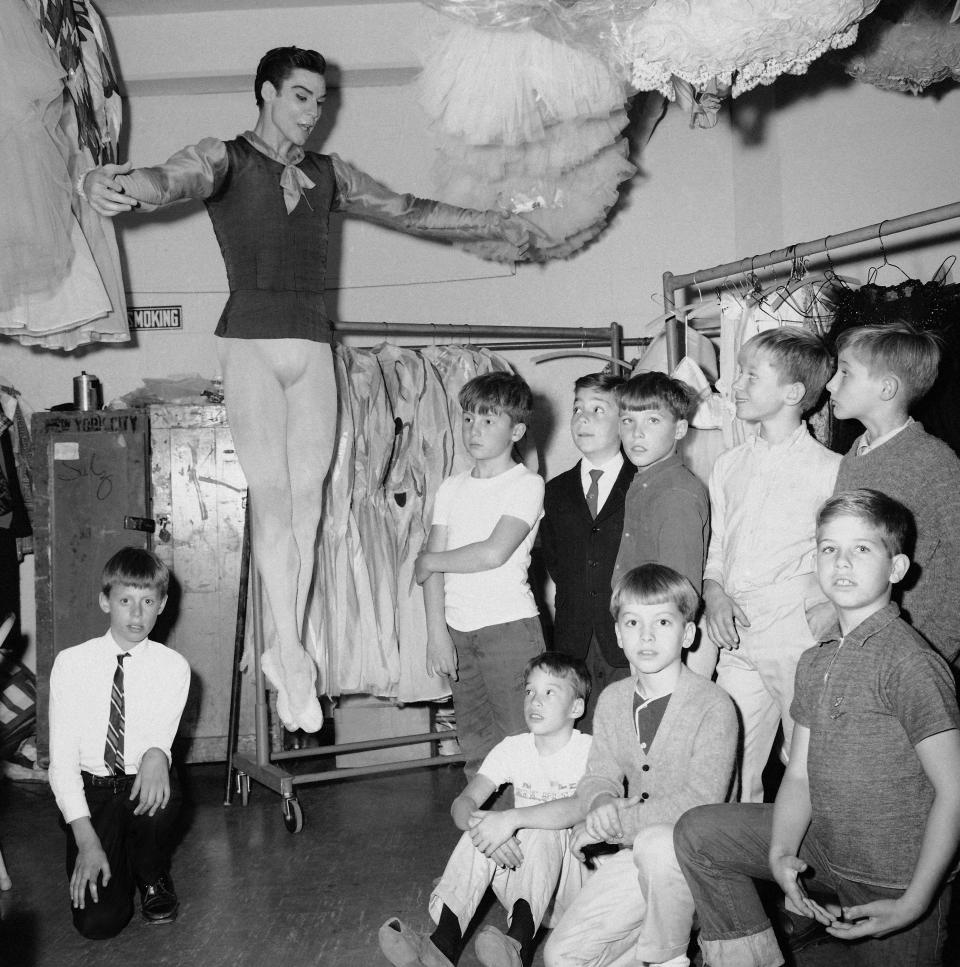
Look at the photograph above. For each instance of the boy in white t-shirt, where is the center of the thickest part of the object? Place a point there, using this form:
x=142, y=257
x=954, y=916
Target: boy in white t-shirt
x=523, y=853
x=482, y=621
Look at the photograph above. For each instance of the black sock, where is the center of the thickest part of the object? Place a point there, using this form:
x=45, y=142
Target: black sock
x=522, y=929
x=447, y=937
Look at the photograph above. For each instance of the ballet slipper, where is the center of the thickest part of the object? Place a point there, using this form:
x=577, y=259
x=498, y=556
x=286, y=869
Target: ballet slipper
x=496, y=949
x=399, y=944
x=307, y=715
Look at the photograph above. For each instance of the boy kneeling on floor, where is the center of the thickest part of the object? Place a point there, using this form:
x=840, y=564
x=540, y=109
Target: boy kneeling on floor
x=115, y=705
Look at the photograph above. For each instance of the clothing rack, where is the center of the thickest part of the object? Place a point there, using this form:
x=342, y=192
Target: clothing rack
x=829, y=243
x=262, y=766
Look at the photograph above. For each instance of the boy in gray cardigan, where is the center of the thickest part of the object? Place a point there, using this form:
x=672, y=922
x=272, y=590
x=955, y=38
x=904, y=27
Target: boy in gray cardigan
x=881, y=371
x=670, y=737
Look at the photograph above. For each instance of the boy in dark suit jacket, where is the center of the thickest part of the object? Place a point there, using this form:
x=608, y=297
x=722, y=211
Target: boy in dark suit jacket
x=580, y=534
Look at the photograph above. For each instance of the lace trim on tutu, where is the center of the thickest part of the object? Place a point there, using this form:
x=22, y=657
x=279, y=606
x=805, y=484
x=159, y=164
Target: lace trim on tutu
x=746, y=42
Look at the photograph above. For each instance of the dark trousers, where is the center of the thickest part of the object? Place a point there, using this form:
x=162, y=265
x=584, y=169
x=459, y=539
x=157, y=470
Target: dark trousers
x=137, y=848
x=723, y=848
x=602, y=674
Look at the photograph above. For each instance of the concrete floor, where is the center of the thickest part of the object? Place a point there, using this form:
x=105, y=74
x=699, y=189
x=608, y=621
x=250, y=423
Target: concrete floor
x=253, y=894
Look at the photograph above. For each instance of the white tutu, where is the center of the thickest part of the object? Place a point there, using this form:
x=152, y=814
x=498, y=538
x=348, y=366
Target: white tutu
x=528, y=124
x=487, y=86
x=747, y=41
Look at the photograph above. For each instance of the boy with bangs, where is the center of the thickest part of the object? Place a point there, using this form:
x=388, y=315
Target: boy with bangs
x=115, y=704
x=881, y=371
x=759, y=580
x=522, y=853
x=580, y=534
x=670, y=736
x=864, y=832
x=483, y=625
x=666, y=515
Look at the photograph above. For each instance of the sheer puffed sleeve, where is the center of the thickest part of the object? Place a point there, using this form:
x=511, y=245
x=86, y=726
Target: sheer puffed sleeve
x=194, y=172
x=359, y=194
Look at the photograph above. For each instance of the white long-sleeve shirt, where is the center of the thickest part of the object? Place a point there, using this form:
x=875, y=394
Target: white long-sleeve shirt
x=155, y=684
x=763, y=505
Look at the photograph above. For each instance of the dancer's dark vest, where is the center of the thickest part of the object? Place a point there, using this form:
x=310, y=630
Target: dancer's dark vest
x=276, y=262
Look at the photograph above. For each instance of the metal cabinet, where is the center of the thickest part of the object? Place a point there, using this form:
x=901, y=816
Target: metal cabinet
x=198, y=495
x=91, y=480
x=109, y=478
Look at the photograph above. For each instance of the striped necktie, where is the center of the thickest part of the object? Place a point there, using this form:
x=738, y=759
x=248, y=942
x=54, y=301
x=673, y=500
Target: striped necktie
x=113, y=750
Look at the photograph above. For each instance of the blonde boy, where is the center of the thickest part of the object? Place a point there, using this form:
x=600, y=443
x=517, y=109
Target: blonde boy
x=115, y=704
x=759, y=578
x=867, y=818
x=671, y=735
x=881, y=372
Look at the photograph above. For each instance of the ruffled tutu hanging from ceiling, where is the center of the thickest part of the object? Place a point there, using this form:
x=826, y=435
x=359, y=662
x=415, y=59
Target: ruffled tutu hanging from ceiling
x=907, y=47
x=740, y=43
x=527, y=123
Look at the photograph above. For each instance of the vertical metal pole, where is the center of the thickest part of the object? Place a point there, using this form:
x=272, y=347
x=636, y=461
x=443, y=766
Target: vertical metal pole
x=673, y=327
x=616, y=344
x=236, y=678
x=261, y=708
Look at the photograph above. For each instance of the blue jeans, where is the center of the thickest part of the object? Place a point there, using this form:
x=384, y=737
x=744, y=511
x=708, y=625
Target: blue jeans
x=488, y=693
x=723, y=848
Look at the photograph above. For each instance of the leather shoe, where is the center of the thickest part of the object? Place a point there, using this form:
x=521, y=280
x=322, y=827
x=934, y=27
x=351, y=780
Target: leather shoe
x=158, y=901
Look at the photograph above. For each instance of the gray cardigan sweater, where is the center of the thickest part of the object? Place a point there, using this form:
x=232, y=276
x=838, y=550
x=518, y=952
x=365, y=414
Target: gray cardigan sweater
x=690, y=762
x=923, y=473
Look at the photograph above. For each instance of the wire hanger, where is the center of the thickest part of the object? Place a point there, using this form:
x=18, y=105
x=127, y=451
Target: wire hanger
x=565, y=353
x=877, y=269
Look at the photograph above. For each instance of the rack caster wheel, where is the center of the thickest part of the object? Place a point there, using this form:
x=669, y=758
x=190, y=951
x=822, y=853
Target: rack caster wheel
x=243, y=787
x=292, y=815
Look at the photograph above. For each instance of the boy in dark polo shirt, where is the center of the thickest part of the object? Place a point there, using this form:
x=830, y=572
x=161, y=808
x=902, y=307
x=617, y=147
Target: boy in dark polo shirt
x=868, y=813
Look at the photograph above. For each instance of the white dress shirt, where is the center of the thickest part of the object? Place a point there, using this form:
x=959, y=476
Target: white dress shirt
x=155, y=684
x=610, y=470
x=763, y=504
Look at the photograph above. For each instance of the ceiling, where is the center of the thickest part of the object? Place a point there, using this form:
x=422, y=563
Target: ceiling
x=131, y=8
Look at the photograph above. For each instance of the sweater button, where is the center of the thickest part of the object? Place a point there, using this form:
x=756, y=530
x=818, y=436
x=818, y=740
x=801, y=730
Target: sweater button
x=644, y=796
x=645, y=768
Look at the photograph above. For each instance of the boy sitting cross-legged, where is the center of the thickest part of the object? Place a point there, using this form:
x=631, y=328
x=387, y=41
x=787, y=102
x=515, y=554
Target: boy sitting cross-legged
x=523, y=853
x=671, y=735
x=868, y=812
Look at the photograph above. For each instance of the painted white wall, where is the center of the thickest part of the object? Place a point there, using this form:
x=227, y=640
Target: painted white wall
x=807, y=157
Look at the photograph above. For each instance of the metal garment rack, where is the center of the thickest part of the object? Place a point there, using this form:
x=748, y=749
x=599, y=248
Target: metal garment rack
x=262, y=765
x=829, y=243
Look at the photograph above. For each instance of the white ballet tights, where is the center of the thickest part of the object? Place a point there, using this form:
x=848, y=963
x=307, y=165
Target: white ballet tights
x=281, y=399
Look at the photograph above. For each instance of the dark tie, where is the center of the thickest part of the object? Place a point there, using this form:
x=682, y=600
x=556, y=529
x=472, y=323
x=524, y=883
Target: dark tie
x=113, y=750
x=593, y=492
